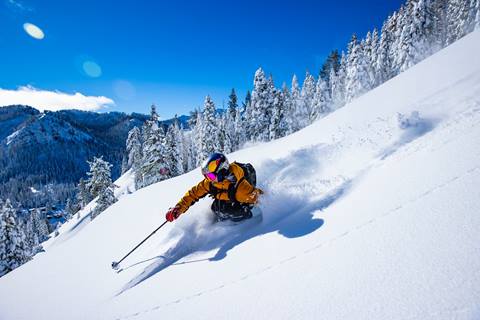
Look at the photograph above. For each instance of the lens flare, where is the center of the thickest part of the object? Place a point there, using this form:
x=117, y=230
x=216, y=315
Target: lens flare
x=33, y=31
x=124, y=89
x=92, y=69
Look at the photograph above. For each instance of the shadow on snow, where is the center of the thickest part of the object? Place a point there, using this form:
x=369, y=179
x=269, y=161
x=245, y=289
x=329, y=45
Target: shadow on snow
x=292, y=221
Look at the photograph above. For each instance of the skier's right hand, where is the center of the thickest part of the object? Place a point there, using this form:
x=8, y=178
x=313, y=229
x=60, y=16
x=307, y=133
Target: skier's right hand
x=173, y=213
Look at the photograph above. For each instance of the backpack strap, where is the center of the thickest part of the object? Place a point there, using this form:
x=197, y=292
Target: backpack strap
x=232, y=189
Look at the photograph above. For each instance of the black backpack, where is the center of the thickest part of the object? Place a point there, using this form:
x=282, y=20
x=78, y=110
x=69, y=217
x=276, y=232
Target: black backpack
x=249, y=173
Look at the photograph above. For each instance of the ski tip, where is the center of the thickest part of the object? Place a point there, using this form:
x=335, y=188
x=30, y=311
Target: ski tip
x=115, y=265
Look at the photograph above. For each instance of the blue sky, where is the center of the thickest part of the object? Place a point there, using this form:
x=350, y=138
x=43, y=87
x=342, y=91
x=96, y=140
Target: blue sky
x=172, y=53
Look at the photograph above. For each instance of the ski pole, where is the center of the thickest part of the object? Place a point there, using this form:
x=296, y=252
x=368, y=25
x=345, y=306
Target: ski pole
x=115, y=264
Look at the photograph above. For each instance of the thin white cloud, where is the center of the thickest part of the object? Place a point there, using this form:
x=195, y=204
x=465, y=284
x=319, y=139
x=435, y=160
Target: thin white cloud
x=52, y=100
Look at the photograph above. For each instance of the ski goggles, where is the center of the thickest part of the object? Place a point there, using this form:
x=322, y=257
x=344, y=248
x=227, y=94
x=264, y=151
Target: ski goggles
x=215, y=171
x=210, y=176
x=211, y=168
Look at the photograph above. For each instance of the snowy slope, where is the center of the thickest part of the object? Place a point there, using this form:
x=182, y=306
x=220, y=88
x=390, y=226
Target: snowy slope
x=362, y=220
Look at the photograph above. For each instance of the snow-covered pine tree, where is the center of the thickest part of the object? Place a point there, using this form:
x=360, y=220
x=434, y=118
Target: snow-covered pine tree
x=240, y=132
x=196, y=140
x=134, y=149
x=221, y=130
x=99, y=176
x=322, y=100
x=69, y=209
x=31, y=235
x=416, y=36
x=278, y=124
x=337, y=84
x=124, y=163
x=438, y=8
x=14, y=250
x=174, y=150
x=395, y=49
x=39, y=225
x=247, y=115
x=100, y=184
x=383, y=64
x=332, y=63
x=405, y=55
x=460, y=18
x=105, y=199
x=357, y=78
x=208, y=135
x=370, y=51
x=83, y=195
x=295, y=101
x=231, y=141
x=259, y=117
x=185, y=149
x=477, y=14
x=288, y=109
x=153, y=168
x=308, y=92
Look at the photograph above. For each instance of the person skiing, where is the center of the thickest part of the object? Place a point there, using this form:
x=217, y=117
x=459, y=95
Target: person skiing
x=231, y=185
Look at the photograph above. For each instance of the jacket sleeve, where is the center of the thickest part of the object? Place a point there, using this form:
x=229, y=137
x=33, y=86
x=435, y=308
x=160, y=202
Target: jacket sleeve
x=193, y=195
x=246, y=193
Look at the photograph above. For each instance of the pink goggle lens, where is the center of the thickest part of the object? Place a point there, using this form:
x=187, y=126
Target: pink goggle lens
x=211, y=176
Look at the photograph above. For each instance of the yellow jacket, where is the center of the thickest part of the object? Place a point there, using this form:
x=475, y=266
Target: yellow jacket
x=239, y=190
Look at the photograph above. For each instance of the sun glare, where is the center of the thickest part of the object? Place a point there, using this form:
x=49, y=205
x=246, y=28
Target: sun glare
x=33, y=31
x=92, y=69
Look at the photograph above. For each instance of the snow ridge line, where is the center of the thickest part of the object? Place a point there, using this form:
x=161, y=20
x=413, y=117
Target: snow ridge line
x=314, y=248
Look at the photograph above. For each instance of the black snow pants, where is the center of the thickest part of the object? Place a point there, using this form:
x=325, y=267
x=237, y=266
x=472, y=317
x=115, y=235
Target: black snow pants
x=227, y=210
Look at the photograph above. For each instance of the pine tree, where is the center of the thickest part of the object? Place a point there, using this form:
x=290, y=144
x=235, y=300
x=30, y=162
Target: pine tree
x=247, y=116
x=69, y=209
x=278, y=124
x=153, y=168
x=395, y=48
x=221, y=131
x=331, y=64
x=461, y=17
x=337, y=84
x=134, y=149
x=83, y=196
x=296, y=105
x=321, y=101
x=174, y=150
x=196, y=140
x=100, y=184
x=438, y=9
x=357, y=78
x=105, y=199
x=39, y=225
x=240, y=132
x=99, y=176
x=231, y=143
x=383, y=65
x=370, y=51
x=208, y=135
x=477, y=14
x=32, y=238
x=14, y=249
x=307, y=94
x=259, y=117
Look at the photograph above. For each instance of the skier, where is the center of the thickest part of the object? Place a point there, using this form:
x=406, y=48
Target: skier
x=231, y=185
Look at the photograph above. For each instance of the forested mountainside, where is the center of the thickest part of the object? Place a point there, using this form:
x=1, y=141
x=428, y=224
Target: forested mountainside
x=44, y=154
